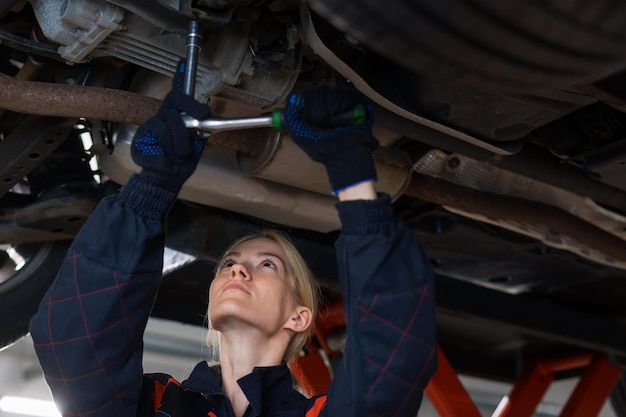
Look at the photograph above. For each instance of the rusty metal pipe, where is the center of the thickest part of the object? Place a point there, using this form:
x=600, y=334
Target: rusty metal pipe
x=49, y=99
x=97, y=103
x=515, y=209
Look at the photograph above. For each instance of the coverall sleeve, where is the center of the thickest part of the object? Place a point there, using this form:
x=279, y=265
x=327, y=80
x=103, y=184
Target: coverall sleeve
x=88, y=329
x=388, y=297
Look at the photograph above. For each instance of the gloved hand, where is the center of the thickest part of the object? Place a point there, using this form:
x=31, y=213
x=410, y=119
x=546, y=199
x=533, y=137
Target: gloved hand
x=162, y=146
x=345, y=151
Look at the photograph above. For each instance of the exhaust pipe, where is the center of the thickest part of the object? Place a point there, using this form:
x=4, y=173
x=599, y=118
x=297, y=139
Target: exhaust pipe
x=74, y=101
x=269, y=190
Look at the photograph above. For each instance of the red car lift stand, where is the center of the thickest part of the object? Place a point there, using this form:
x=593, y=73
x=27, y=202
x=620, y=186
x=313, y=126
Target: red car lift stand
x=450, y=398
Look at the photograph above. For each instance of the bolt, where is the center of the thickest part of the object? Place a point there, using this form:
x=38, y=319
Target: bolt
x=454, y=162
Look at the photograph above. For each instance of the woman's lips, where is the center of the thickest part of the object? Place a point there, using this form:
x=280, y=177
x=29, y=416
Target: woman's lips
x=234, y=285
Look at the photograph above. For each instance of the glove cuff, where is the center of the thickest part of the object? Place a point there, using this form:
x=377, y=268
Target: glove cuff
x=365, y=216
x=145, y=198
x=169, y=183
x=346, y=168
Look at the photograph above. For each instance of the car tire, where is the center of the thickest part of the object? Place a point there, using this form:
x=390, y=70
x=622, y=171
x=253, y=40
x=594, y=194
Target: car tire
x=517, y=43
x=22, y=286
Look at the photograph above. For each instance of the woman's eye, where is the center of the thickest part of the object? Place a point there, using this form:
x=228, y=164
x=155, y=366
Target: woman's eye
x=269, y=264
x=227, y=263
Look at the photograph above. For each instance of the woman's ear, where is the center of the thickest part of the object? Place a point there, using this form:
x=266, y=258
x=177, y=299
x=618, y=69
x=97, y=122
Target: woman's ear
x=300, y=320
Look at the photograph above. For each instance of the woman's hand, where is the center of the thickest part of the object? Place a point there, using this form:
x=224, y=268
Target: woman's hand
x=163, y=147
x=345, y=151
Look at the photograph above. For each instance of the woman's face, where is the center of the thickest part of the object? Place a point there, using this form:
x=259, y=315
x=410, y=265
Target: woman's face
x=252, y=287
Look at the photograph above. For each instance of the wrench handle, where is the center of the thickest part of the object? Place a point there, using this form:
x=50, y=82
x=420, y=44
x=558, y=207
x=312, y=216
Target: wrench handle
x=215, y=124
x=356, y=116
x=275, y=120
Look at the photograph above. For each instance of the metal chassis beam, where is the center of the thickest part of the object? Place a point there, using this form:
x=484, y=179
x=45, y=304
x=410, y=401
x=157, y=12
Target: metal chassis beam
x=532, y=316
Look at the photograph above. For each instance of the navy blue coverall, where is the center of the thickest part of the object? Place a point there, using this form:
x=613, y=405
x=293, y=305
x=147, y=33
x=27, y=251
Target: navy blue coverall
x=88, y=330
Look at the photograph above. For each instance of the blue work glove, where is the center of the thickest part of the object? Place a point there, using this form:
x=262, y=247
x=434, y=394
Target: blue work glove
x=345, y=151
x=163, y=147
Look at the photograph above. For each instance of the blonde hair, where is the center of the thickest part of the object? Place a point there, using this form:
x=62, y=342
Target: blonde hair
x=306, y=291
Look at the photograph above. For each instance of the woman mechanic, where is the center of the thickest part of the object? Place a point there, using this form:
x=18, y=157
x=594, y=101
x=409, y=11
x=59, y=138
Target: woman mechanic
x=262, y=301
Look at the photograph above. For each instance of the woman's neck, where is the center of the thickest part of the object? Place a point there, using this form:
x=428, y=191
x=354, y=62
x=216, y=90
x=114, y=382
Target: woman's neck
x=240, y=353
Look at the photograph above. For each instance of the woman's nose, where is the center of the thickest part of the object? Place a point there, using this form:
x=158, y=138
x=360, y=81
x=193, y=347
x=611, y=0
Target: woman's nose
x=239, y=270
